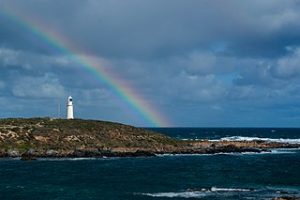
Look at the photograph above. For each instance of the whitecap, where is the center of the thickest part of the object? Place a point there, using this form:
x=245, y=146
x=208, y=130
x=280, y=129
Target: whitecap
x=176, y=194
x=216, y=189
x=273, y=151
x=199, y=193
x=242, y=138
x=66, y=159
x=182, y=155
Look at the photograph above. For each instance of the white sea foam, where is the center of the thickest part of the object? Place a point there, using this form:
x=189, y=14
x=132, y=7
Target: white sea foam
x=176, y=194
x=216, y=189
x=182, y=155
x=209, y=154
x=272, y=151
x=242, y=138
x=198, y=193
x=66, y=159
x=285, y=151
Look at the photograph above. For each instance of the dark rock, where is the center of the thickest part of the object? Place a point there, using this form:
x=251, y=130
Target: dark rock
x=140, y=153
x=286, y=198
x=85, y=153
x=27, y=157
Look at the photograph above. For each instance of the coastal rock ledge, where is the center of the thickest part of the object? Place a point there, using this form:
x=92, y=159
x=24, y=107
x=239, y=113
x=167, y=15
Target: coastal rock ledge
x=46, y=137
x=286, y=198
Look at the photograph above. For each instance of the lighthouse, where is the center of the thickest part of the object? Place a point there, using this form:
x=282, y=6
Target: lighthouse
x=70, y=113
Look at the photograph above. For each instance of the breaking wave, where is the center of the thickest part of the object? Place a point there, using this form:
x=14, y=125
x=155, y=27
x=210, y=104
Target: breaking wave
x=176, y=194
x=272, y=151
x=215, y=189
x=241, y=138
x=198, y=193
x=221, y=193
x=78, y=159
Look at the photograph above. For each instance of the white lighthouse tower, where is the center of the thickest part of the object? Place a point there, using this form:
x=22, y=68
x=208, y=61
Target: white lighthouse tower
x=70, y=113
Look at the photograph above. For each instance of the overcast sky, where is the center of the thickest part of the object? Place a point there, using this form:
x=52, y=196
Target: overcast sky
x=199, y=62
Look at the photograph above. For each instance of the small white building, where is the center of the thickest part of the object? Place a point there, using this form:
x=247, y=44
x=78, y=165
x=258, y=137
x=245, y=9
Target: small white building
x=70, y=111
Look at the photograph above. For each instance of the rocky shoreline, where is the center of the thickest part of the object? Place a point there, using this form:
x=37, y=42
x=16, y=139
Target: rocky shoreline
x=58, y=138
x=190, y=147
x=286, y=198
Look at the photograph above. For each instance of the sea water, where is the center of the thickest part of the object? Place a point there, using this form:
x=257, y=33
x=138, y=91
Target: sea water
x=220, y=176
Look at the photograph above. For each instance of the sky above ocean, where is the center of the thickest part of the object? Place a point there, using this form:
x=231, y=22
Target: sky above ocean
x=153, y=62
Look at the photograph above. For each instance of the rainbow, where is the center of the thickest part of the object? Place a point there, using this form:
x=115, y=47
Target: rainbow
x=121, y=89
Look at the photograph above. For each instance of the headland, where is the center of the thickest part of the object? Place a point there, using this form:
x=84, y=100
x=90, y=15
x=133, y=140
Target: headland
x=58, y=138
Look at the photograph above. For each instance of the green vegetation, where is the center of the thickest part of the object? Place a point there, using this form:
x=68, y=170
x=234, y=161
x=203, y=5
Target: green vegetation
x=45, y=137
x=43, y=134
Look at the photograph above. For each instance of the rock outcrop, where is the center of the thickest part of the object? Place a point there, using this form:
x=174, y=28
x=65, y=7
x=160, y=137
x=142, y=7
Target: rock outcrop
x=286, y=198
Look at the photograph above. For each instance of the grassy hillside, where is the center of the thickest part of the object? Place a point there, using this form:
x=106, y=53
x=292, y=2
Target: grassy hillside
x=45, y=135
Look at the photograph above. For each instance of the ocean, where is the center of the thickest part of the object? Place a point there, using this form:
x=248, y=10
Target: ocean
x=166, y=177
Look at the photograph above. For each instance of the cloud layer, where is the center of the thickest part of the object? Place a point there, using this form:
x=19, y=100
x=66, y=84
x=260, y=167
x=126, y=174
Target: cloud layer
x=201, y=63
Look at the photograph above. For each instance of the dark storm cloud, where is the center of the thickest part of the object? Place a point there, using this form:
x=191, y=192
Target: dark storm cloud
x=163, y=28
x=201, y=62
